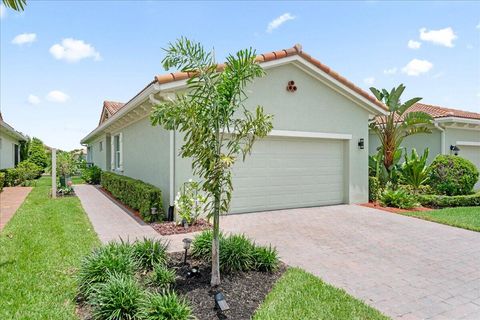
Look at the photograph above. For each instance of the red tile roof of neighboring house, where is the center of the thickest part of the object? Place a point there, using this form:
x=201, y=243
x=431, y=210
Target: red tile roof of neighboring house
x=275, y=55
x=113, y=106
x=441, y=112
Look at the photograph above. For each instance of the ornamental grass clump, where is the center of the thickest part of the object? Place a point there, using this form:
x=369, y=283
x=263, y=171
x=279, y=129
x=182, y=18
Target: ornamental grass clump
x=165, y=306
x=162, y=276
x=265, y=258
x=150, y=252
x=115, y=257
x=119, y=297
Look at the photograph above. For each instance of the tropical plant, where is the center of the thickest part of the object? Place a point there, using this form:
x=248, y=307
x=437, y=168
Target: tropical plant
x=66, y=164
x=150, y=252
x=414, y=170
x=452, y=175
x=373, y=188
x=376, y=168
x=190, y=202
x=24, y=149
x=17, y=5
x=119, y=297
x=398, y=198
x=392, y=128
x=217, y=125
x=165, y=306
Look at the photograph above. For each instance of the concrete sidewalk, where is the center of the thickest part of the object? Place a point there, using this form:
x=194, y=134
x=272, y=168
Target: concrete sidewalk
x=112, y=222
x=11, y=199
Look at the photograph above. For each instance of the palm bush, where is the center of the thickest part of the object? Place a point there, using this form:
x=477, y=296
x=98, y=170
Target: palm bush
x=162, y=276
x=398, y=198
x=414, y=170
x=265, y=258
x=165, y=306
x=115, y=257
x=452, y=175
x=119, y=297
x=150, y=252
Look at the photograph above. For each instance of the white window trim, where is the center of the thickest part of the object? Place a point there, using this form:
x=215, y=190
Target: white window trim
x=114, y=155
x=468, y=143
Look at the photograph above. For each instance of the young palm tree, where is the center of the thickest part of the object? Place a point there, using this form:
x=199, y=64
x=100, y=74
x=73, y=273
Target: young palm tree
x=17, y=5
x=398, y=123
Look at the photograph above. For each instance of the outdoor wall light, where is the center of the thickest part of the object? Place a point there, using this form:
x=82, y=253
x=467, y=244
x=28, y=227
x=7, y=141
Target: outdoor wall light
x=361, y=144
x=220, y=302
x=454, y=149
x=186, y=245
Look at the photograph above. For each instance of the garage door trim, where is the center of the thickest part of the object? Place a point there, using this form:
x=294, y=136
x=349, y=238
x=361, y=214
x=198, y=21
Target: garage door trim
x=468, y=143
x=307, y=134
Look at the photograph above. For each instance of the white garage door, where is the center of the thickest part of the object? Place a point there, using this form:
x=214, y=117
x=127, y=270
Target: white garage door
x=286, y=173
x=472, y=153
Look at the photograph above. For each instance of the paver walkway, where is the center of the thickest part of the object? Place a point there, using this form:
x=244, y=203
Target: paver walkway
x=10, y=200
x=405, y=267
x=112, y=222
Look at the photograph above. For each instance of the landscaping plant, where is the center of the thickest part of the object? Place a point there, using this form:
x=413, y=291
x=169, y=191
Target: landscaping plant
x=165, y=306
x=189, y=202
x=2, y=180
x=414, y=170
x=398, y=198
x=150, y=252
x=212, y=115
x=91, y=174
x=392, y=128
x=162, y=276
x=265, y=258
x=452, y=175
x=119, y=297
x=37, y=153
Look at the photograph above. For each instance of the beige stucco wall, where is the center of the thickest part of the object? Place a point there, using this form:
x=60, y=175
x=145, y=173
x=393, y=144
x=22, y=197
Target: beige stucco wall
x=7, y=150
x=315, y=107
x=145, y=152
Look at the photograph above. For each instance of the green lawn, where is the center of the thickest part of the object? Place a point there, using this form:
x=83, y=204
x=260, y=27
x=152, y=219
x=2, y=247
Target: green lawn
x=77, y=180
x=299, y=295
x=39, y=250
x=462, y=217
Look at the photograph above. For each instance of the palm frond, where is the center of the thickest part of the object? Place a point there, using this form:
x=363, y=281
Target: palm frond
x=17, y=5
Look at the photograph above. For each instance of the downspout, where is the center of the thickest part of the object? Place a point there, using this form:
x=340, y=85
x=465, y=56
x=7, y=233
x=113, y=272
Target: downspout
x=442, y=137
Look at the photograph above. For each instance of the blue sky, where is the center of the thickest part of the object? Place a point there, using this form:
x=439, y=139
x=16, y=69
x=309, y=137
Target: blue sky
x=60, y=60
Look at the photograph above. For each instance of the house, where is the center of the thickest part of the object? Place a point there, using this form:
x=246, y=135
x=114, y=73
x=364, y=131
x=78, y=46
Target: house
x=316, y=155
x=452, y=129
x=10, y=140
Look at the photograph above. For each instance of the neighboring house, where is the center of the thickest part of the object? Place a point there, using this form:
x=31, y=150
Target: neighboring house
x=451, y=128
x=316, y=155
x=10, y=140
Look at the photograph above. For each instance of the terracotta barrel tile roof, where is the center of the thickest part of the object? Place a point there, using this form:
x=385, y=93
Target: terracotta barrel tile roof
x=441, y=112
x=274, y=55
x=113, y=106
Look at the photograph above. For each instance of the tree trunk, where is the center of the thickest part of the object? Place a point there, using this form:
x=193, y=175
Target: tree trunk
x=215, y=280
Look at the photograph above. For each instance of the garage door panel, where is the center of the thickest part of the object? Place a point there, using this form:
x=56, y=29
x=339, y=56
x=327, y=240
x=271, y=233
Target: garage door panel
x=288, y=173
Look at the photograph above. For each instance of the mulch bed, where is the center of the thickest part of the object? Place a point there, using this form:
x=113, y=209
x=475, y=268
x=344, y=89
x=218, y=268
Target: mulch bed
x=244, y=292
x=376, y=205
x=169, y=228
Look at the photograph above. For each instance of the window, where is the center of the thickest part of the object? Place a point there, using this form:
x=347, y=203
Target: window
x=16, y=154
x=101, y=145
x=117, y=155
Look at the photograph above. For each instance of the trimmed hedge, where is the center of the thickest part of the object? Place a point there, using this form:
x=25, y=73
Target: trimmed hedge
x=452, y=175
x=373, y=188
x=2, y=180
x=136, y=194
x=439, y=201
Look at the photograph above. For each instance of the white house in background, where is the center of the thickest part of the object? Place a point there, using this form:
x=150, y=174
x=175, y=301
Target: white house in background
x=316, y=155
x=10, y=140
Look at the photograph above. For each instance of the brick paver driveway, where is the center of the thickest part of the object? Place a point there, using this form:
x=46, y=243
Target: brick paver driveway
x=405, y=267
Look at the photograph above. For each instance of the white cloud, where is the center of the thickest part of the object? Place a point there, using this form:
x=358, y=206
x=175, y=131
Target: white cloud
x=390, y=71
x=443, y=37
x=369, y=80
x=277, y=22
x=33, y=99
x=412, y=44
x=72, y=50
x=24, y=38
x=417, y=67
x=57, y=96
x=3, y=12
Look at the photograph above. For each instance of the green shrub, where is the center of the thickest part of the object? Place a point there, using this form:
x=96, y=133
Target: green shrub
x=11, y=177
x=37, y=153
x=398, y=198
x=2, y=180
x=236, y=253
x=440, y=201
x=373, y=188
x=27, y=172
x=202, y=245
x=92, y=175
x=265, y=258
x=426, y=189
x=119, y=297
x=136, y=194
x=114, y=257
x=452, y=175
x=414, y=171
x=165, y=306
x=162, y=276
x=150, y=252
